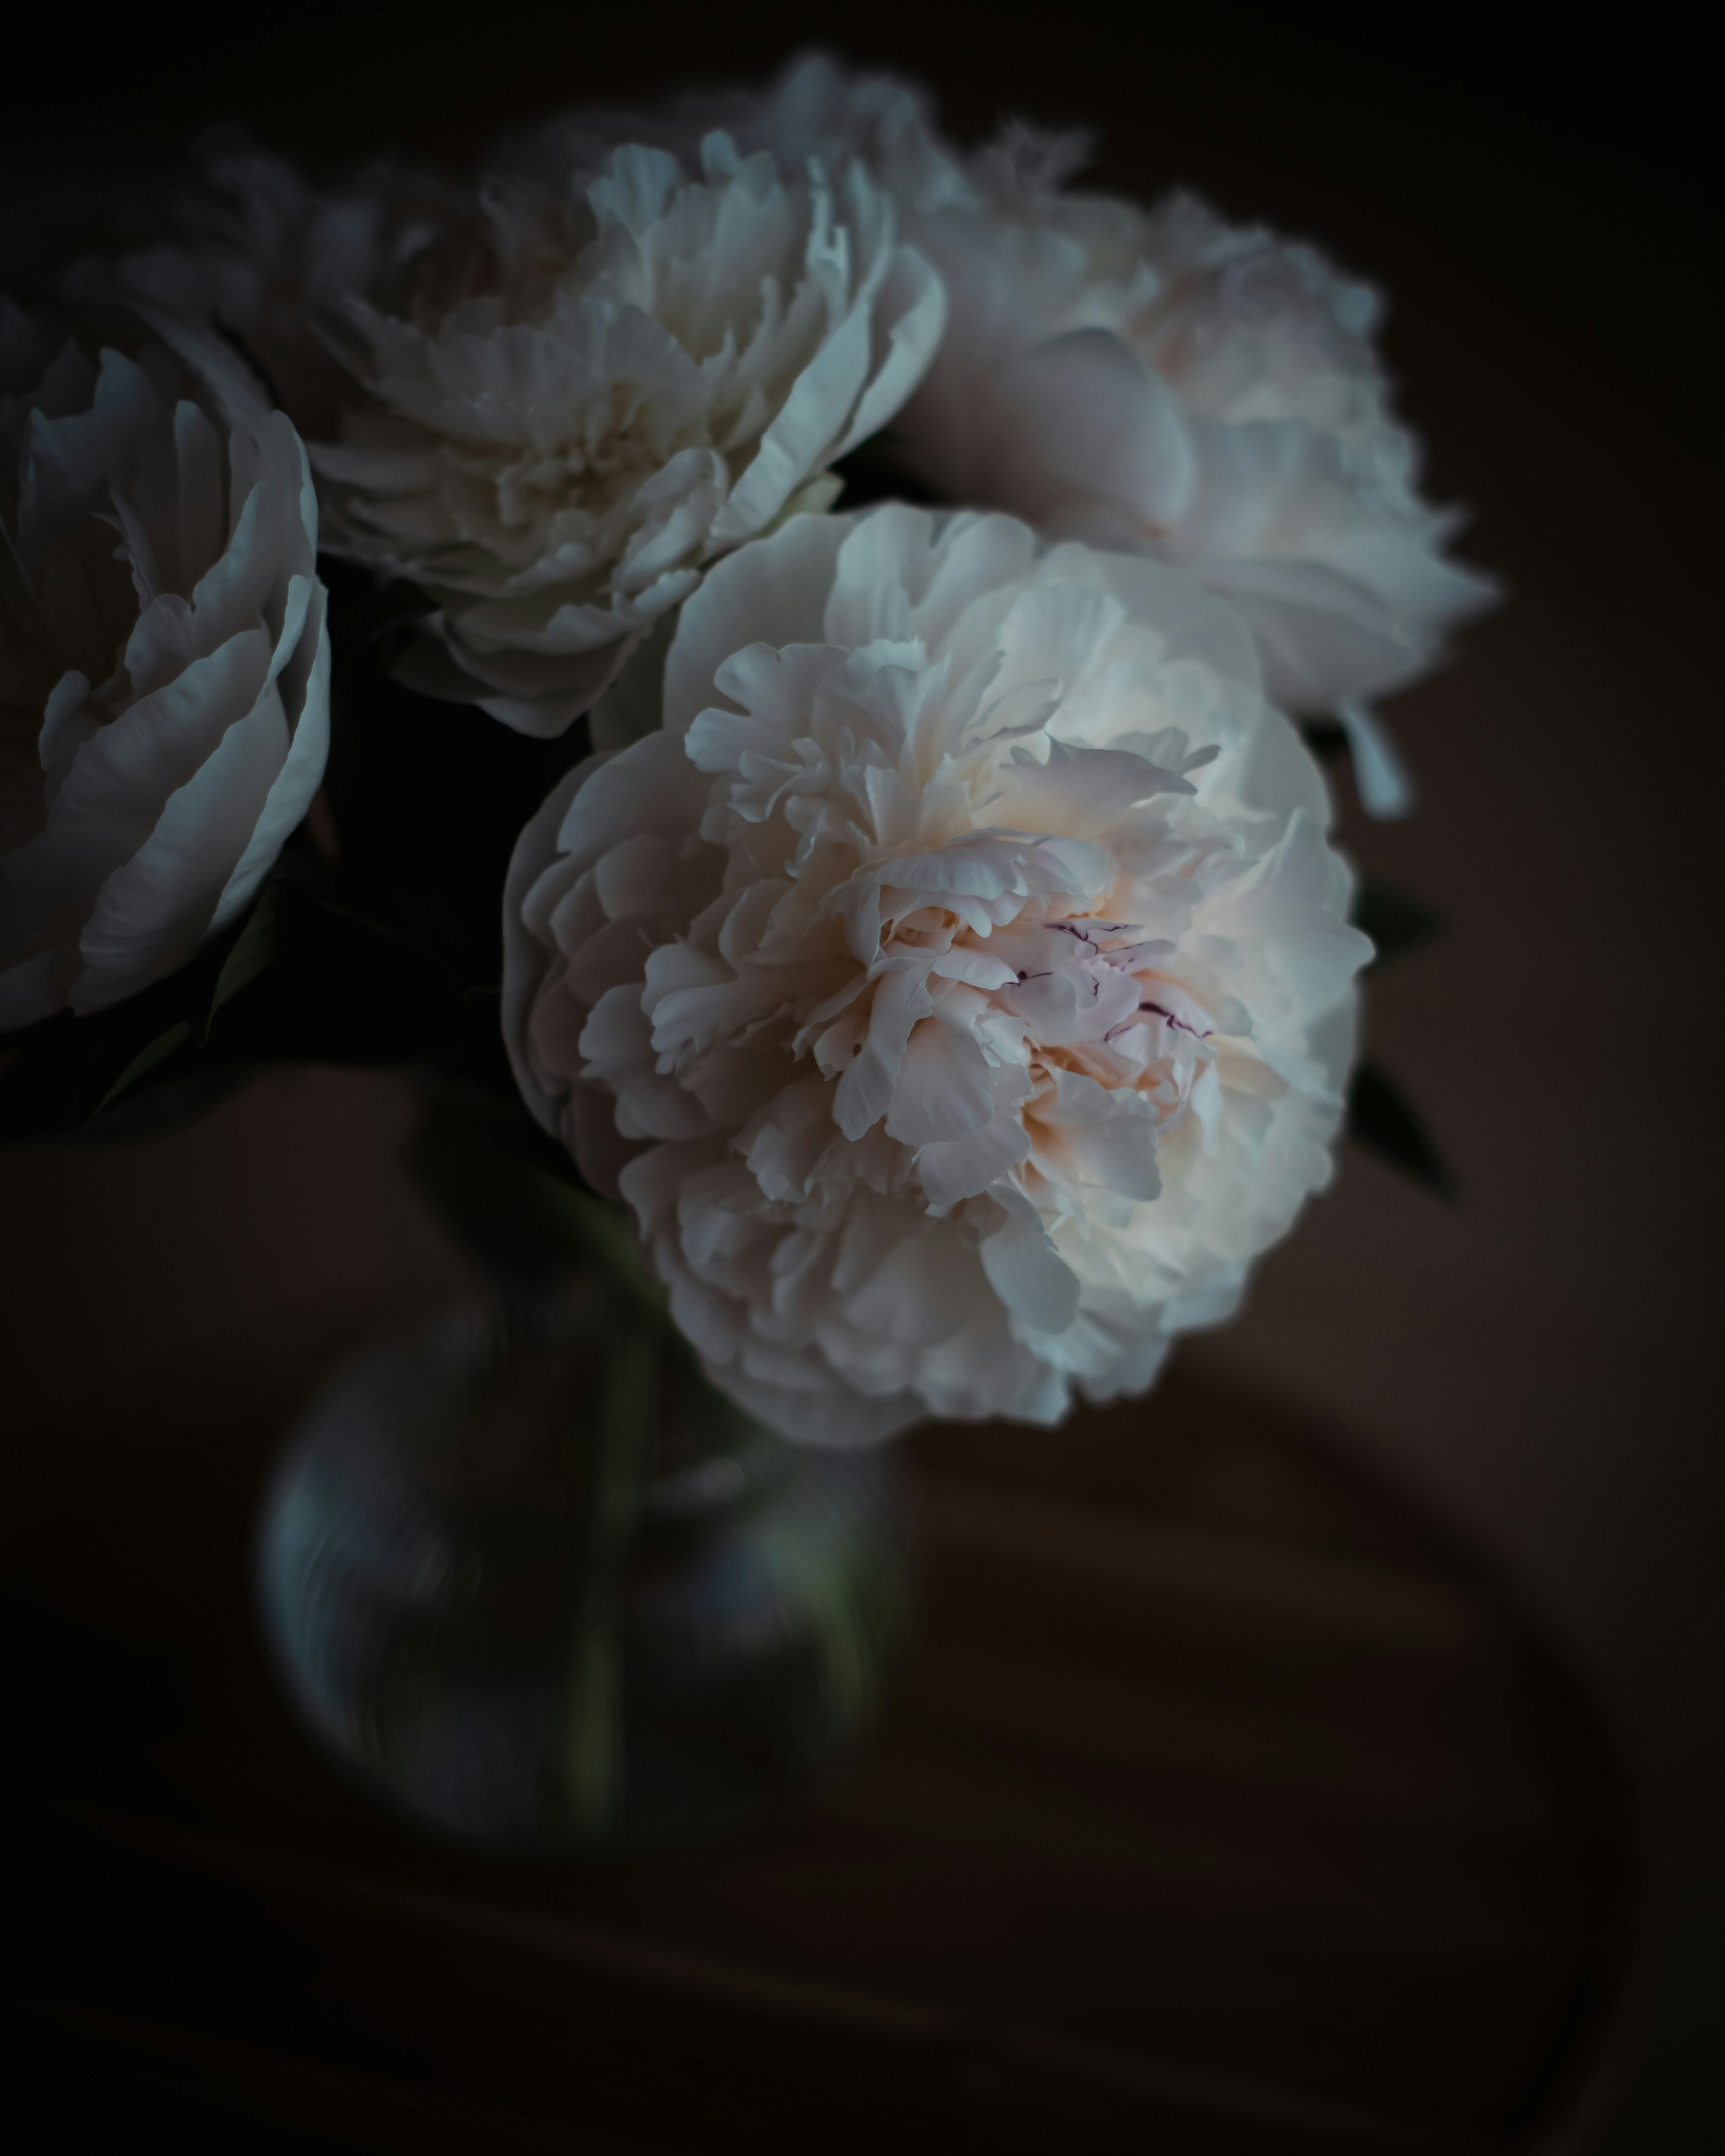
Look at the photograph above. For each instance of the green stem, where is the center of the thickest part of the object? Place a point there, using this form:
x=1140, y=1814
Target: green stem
x=593, y=1758
x=534, y=1236
x=527, y=1231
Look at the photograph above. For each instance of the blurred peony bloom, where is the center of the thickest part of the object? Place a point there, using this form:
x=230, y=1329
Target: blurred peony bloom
x=559, y=396
x=813, y=108
x=956, y=981
x=578, y=396
x=247, y=244
x=1158, y=381
x=164, y=659
x=570, y=400
x=1210, y=393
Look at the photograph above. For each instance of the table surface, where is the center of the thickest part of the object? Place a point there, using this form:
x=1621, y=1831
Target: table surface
x=1221, y=1807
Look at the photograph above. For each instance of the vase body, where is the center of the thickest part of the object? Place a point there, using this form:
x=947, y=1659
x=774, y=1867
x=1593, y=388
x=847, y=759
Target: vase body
x=539, y=1584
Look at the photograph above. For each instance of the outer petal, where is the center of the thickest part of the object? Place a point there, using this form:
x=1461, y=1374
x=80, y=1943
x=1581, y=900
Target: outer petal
x=773, y=592
x=525, y=958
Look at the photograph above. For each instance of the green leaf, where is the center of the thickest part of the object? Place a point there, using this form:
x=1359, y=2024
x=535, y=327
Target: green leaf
x=300, y=980
x=67, y=1069
x=254, y=951
x=1381, y=1118
x=146, y=1058
x=526, y=1223
x=347, y=990
x=1396, y=922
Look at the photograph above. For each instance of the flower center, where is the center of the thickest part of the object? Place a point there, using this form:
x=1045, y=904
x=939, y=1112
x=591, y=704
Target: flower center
x=618, y=449
x=1093, y=997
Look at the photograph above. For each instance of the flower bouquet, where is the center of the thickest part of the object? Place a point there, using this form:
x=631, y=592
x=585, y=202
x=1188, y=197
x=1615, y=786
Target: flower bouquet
x=783, y=668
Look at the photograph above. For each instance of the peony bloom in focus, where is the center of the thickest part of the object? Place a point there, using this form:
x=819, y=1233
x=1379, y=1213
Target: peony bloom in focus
x=164, y=661
x=576, y=397
x=956, y=981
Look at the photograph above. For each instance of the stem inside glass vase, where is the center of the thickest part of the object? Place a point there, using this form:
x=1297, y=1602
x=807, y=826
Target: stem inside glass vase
x=539, y=1582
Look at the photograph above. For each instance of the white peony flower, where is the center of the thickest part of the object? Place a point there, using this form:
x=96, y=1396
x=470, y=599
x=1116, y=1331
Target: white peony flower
x=956, y=983
x=813, y=108
x=164, y=661
x=250, y=246
x=1157, y=381
x=1210, y=393
x=580, y=395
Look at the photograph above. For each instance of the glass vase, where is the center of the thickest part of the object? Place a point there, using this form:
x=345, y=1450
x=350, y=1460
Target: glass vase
x=539, y=1584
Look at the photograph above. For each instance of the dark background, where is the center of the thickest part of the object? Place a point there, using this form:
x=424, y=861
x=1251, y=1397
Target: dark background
x=1535, y=190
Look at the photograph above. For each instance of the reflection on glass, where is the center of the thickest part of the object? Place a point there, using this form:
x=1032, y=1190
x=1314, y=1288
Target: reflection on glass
x=537, y=1582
